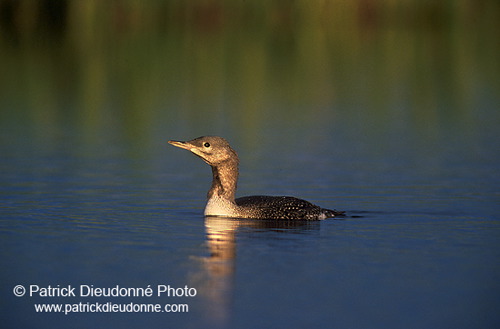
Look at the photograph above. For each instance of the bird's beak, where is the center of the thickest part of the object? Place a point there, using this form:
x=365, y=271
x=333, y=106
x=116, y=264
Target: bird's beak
x=190, y=147
x=182, y=145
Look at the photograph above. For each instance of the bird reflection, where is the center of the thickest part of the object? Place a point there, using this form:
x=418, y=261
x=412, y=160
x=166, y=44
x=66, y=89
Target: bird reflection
x=215, y=280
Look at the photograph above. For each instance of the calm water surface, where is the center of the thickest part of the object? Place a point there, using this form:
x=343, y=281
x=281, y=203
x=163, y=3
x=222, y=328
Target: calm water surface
x=389, y=112
x=418, y=249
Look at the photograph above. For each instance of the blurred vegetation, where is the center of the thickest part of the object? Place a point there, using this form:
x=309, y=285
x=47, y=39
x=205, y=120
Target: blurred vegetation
x=242, y=65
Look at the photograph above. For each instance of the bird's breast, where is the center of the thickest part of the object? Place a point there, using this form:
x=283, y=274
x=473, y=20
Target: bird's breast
x=217, y=206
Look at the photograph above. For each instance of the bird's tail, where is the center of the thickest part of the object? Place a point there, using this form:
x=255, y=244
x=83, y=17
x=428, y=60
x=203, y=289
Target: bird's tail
x=334, y=213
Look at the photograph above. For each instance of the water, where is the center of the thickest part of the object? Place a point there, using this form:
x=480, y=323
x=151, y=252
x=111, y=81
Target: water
x=395, y=124
x=418, y=249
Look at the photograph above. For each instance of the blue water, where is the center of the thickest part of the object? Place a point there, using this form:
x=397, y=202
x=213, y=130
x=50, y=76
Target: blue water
x=387, y=110
x=418, y=249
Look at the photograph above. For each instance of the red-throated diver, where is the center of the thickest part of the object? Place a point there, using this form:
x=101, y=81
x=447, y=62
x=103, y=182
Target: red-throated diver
x=217, y=152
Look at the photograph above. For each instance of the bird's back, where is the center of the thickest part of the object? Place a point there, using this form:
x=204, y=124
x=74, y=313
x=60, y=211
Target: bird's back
x=283, y=207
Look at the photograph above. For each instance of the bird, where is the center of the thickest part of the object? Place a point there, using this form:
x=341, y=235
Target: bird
x=221, y=200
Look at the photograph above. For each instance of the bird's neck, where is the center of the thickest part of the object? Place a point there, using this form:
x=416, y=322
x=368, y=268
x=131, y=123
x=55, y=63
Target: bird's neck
x=224, y=181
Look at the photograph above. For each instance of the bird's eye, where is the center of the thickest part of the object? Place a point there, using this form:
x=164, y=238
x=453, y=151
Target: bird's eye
x=207, y=144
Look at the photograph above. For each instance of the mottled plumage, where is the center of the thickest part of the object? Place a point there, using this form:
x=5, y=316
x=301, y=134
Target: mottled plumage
x=284, y=207
x=217, y=152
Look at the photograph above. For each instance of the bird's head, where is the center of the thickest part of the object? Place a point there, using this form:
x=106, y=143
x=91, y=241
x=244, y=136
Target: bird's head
x=213, y=150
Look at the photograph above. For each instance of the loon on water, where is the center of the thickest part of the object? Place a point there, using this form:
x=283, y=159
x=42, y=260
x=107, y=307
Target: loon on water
x=217, y=152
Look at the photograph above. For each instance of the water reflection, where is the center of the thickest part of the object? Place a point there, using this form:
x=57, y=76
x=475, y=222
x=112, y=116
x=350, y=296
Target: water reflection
x=133, y=68
x=218, y=268
x=216, y=277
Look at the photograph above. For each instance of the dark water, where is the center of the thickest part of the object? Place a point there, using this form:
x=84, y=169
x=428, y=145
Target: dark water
x=418, y=249
x=393, y=120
